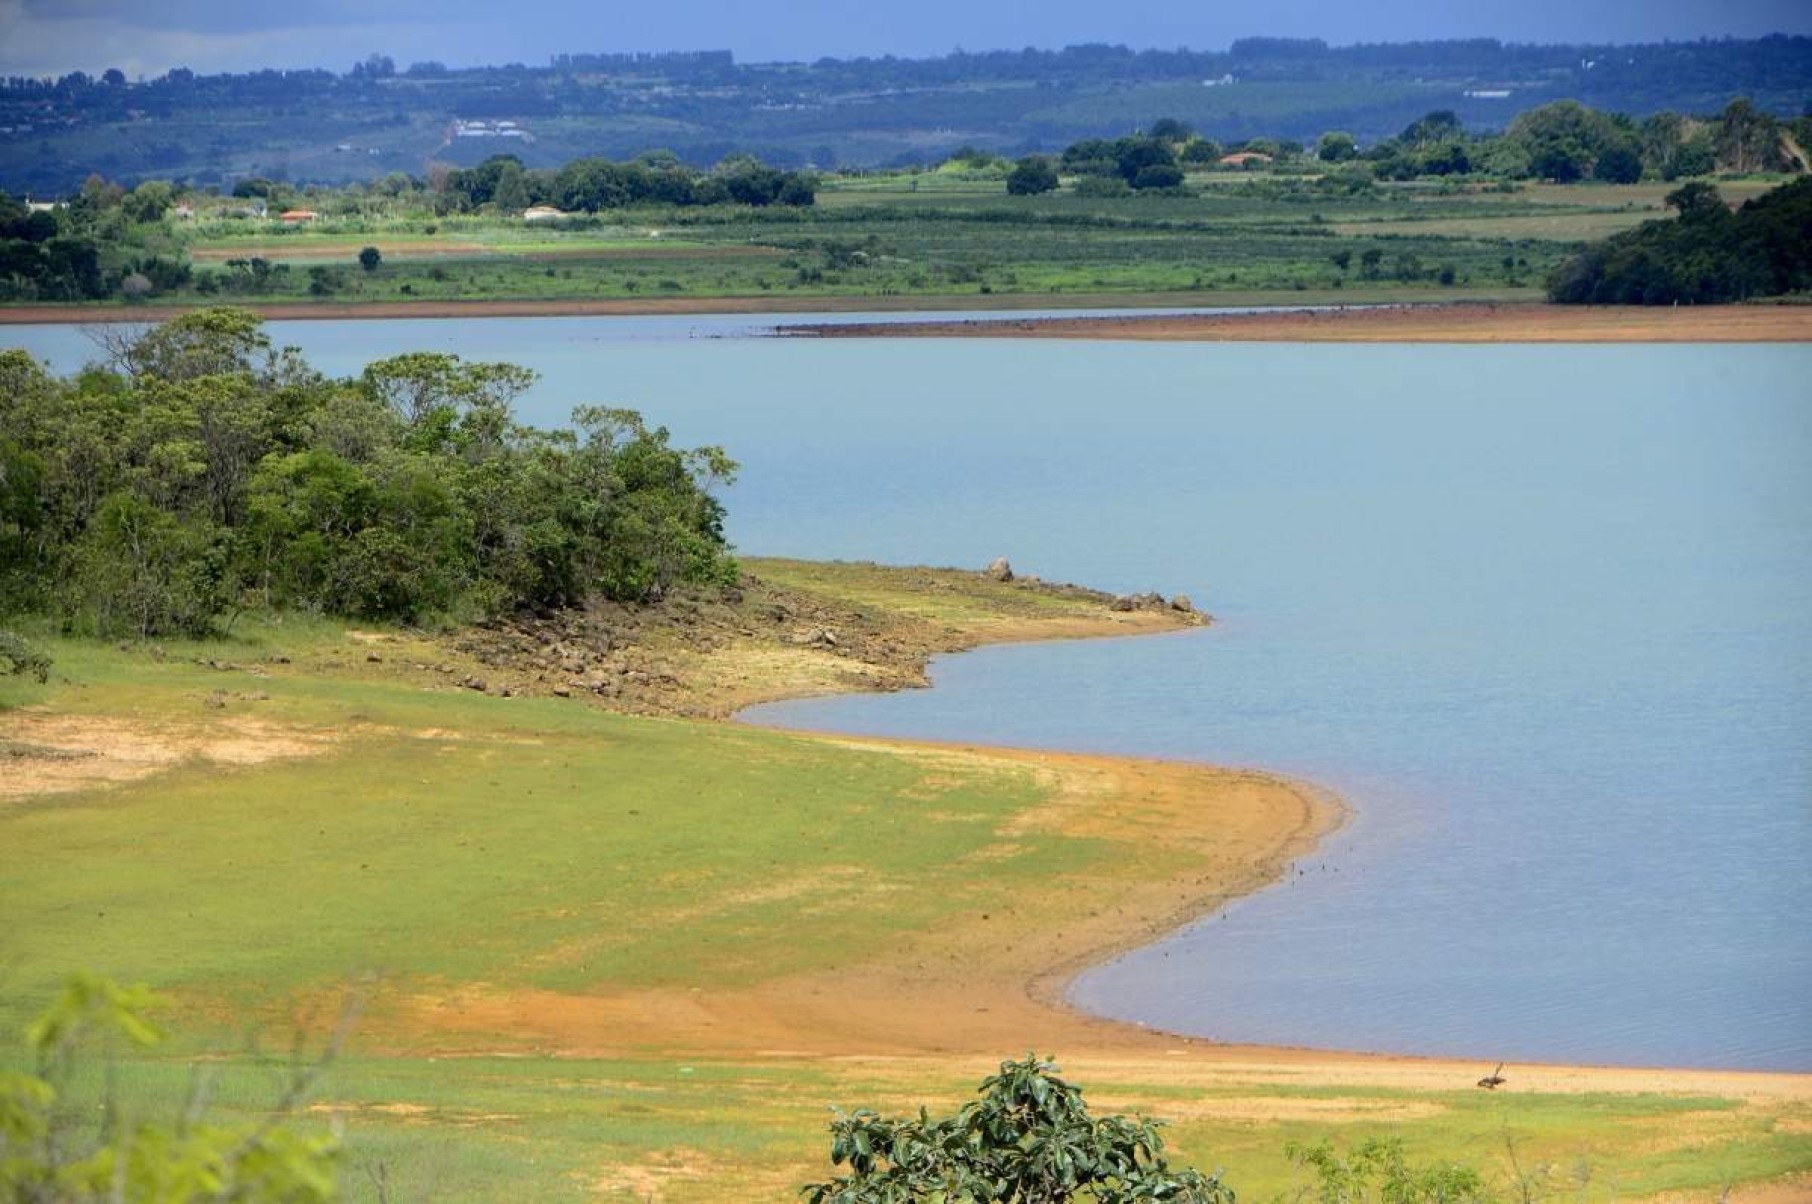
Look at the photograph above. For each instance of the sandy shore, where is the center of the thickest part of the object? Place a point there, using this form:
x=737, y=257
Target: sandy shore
x=1480, y=323
x=1460, y=322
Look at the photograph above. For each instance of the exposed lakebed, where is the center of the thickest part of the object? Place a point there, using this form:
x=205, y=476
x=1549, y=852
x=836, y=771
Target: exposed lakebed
x=1542, y=615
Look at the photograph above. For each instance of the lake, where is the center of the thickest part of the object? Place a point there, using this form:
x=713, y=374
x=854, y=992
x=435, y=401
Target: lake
x=1541, y=614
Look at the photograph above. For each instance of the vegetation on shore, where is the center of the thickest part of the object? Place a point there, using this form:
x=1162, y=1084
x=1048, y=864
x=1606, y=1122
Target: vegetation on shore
x=202, y=472
x=1436, y=208
x=1705, y=255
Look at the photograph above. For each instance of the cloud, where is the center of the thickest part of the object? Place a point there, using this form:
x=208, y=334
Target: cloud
x=86, y=35
x=215, y=18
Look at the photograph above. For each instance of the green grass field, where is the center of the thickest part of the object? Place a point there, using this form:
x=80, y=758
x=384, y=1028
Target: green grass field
x=949, y=233
x=439, y=839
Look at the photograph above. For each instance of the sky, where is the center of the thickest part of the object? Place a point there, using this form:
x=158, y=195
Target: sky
x=147, y=37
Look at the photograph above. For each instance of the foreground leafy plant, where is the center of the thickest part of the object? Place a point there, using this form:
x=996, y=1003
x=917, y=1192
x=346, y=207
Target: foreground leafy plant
x=1379, y=1170
x=47, y=1157
x=1028, y=1139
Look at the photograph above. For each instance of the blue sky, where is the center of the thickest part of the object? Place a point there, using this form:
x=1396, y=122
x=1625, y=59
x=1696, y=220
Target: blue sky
x=150, y=36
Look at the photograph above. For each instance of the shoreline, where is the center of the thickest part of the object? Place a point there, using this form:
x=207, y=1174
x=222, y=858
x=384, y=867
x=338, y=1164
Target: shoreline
x=83, y=313
x=1252, y=317
x=1077, y=857
x=984, y=989
x=1461, y=322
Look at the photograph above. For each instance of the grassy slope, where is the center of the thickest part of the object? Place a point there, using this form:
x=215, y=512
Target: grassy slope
x=540, y=845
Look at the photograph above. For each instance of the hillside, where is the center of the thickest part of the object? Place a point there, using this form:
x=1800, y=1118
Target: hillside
x=383, y=116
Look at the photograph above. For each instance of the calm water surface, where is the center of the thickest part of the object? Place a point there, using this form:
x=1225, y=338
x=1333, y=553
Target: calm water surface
x=1542, y=615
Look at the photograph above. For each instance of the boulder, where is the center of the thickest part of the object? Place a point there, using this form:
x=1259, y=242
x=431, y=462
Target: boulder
x=1000, y=570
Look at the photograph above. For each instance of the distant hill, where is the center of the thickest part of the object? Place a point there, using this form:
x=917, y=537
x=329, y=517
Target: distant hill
x=378, y=118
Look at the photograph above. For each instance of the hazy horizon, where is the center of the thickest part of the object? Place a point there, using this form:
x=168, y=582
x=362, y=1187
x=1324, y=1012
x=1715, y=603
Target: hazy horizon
x=53, y=37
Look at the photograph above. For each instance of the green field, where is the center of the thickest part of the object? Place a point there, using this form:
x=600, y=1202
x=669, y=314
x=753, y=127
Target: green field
x=953, y=234
x=419, y=841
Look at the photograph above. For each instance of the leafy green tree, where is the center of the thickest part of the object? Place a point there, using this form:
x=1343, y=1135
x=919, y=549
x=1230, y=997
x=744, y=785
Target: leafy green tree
x=370, y=258
x=204, y=342
x=1032, y=175
x=1133, y=156
x=1027, y=1139
x=1336, y=146
x=1442, y=125
x=148, y=202
x=1169, y=129
x=1201, y=150
x=1747, y=139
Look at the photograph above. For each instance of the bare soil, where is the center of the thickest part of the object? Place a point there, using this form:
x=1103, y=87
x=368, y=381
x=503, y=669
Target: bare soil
x=43, y=753
x=704, y=654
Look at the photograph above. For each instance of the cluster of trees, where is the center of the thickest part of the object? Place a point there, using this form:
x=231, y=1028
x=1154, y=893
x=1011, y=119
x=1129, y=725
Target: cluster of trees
x=105, y=242
x=1563, y=141
x=1567, y=142
x=588, y=185
x=1706, y=254
x=202, y=471
x=1152, y=159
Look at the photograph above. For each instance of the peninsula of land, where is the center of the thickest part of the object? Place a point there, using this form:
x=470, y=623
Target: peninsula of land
x=572, y=871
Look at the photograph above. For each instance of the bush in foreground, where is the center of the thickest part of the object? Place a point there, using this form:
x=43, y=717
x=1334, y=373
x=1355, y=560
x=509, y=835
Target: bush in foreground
x=1028, y=1139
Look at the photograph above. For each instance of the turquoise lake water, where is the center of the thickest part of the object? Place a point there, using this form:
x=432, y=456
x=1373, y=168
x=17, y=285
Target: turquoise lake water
x=1541, y=615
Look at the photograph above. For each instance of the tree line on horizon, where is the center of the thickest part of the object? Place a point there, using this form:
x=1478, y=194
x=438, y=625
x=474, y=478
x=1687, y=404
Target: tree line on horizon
x=861, y=112
x=1564, y=142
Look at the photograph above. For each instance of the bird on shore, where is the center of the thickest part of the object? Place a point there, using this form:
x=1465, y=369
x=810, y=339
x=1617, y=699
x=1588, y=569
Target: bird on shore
x=1491, y=1081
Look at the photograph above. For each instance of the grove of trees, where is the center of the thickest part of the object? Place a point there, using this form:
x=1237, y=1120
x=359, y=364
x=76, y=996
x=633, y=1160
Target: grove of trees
x=201, y=471
x=592, y=184
x=1706, y=254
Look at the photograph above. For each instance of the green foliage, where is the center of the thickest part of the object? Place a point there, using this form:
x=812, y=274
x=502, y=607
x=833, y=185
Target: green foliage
x=1032, y=175
x=1566, y=141
x=209, y=473
x=18, y=657
x=592, y=184
x=1028, y=1139
x=1707, y=255
x=1336, y=146
x=1378, y=1171
x=1747, y=139
x=49, y=1155
x=370, y=258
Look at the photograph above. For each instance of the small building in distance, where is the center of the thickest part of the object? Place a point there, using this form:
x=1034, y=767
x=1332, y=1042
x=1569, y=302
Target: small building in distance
x=1246, y=159
x=297, y=217
x=543, y=213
